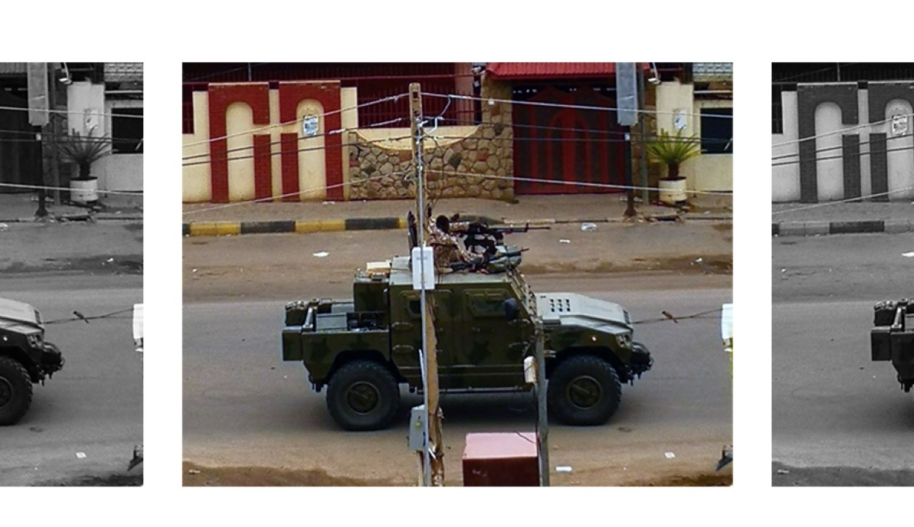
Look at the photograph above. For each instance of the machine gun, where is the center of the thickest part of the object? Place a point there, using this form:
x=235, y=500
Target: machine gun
x=481, y=236
x=496, y=263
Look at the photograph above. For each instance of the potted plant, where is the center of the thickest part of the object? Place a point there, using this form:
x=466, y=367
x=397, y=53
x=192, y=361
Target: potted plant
x=673, y=150
x=83, y=151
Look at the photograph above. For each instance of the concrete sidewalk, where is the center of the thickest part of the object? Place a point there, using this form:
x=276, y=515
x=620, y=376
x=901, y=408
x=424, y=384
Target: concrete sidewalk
x=799, y=219
x=253, y=218
x=21, y=207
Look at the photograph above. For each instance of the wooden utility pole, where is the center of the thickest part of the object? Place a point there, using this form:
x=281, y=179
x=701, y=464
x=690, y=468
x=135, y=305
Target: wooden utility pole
x=542, y=423
x=433, y=455
x=53, y=119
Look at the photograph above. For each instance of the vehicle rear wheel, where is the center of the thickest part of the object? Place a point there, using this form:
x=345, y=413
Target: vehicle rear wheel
x=584, y=391
x=363, y=395
x=15, y=391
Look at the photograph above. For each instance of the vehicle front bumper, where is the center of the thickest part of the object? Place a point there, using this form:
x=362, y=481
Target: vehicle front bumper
x=51, y=359
x=641, y=359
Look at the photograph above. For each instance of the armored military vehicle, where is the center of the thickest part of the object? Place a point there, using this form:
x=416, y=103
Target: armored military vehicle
x=363, y=349
x=25, y=358
x=893, y=338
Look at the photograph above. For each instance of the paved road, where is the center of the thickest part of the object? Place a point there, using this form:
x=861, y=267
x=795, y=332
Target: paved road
x=95, y=404
x=243, y=407
x=832, y=406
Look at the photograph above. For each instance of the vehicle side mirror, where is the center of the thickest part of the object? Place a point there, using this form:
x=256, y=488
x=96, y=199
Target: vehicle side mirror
x=511, y=309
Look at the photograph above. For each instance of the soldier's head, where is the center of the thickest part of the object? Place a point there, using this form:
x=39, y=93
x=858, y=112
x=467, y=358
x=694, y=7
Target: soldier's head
x=443, y=224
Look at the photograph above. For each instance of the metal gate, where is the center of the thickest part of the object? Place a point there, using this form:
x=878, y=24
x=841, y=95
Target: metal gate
x=20, y=150
x=561, y=148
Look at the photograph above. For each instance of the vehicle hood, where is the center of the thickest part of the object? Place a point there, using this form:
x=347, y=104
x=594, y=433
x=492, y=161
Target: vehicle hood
x=12, y=311
x=572, y=309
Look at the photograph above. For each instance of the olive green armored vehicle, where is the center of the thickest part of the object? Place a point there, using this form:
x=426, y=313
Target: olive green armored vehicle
x=24, y=358
x=363, y=349
x=893, y=338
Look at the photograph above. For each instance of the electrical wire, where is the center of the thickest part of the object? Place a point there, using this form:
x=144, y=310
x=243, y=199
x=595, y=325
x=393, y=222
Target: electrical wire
x=307, y=149
x=300, y=192
x=75, y=112
x=842, y=131
x=285, y=141
x=65, y=136
x=838, y=147
x=858, y=154
x=83, y=318
x=835, y=66
x=569, y=106
x=40, y=187
x=695, y=141
x=576, y=183
x=278, y=125
x=848, y=200
x=702, y=314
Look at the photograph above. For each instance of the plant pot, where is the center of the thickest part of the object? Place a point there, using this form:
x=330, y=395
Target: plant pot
x=672, y=191
x=84, y=190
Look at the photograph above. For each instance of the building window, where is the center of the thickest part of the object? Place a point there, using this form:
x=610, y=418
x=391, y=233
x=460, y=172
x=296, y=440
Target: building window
x=127, y=130
x=717, y=130
x=187, y=107
x=777, y=110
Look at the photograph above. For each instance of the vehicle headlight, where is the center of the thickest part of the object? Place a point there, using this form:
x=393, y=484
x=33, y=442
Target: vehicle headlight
x=34, y=340
x=624, y=339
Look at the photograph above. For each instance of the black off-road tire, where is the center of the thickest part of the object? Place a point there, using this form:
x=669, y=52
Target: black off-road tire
x=363, y=395
x=584, y=391
x=15, y=391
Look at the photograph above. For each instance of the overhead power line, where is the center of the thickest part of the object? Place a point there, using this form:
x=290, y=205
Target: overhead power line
x=74, y=112
x=570, y=106
x=42, y=187
x=858, y=154
x=838, y=132
x=848, y=200
x=293, y=121
x=306, y=149
x=299, y=193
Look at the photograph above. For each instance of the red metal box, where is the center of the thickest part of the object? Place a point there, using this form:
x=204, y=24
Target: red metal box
x=500, y=460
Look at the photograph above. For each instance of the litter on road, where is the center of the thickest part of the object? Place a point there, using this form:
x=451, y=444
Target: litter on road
x=321, y=254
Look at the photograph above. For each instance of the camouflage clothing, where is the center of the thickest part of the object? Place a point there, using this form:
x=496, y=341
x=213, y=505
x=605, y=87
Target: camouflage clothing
x=448, y=250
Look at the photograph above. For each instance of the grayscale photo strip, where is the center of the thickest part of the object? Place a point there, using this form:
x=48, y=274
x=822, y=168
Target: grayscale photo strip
x=71, y=274
x=843, y=250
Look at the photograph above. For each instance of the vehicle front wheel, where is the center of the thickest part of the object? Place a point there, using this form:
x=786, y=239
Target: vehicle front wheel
x=15, y=391
x=363, y=395
x=584, y=391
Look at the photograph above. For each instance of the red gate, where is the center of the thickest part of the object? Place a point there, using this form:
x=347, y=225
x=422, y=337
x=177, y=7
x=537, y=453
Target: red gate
x=20, y=150
x=558, y=147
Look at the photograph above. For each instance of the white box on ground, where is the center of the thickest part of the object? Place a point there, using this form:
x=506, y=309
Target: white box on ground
x=138, y=326
x=423, y=256
x=726, y=322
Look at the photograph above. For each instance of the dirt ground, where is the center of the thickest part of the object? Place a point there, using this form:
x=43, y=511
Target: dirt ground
x=199, y=476
x=236, y=266
x=112, y=480
x=785, y=476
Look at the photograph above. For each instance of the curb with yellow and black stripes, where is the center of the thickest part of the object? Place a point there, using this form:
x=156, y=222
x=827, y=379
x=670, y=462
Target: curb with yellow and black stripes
x=231, y=228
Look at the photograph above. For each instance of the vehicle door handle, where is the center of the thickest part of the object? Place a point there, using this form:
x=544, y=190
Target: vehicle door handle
x=401, y=325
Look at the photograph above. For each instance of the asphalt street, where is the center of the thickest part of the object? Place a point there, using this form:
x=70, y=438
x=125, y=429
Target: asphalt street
x=83, y=424
x=832, y=407
x=244, y=408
